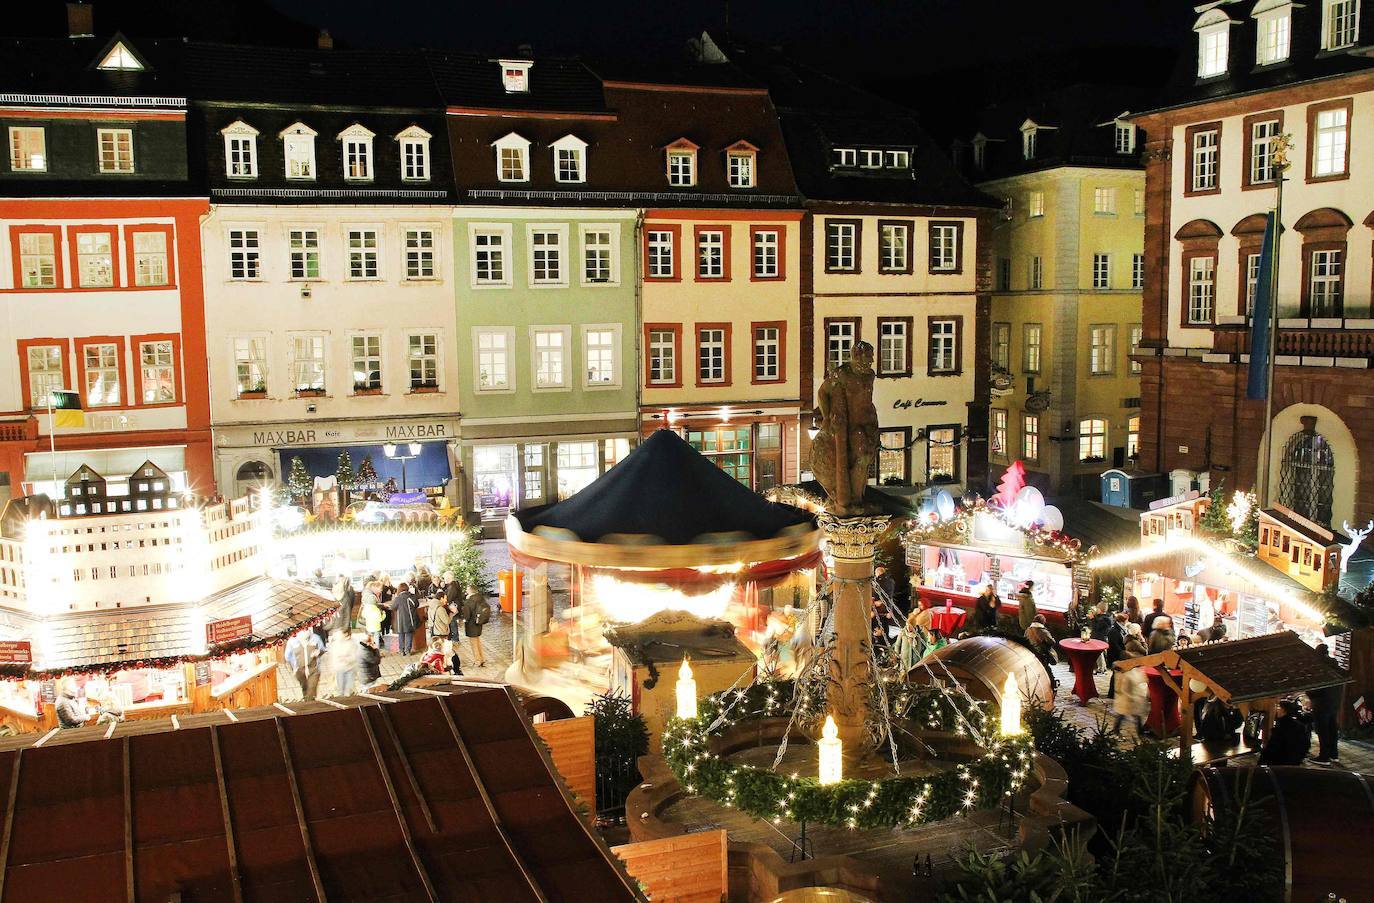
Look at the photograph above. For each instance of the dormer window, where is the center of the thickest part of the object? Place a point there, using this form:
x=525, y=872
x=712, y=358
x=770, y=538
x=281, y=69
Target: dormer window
x=357, y=153
x=871, y=159
x=414, y=143
x=897, y=159
x=741, y=163
x=120, y=59
x=240, y=151
x=570, y=159
x=1213, y=43
x=844, y=157
x=298, y=147
x=1028, y=142
x=1340, y=23
x=1273, y=31
x=980, y=151
x=682, y=163
x=515, y=76
x=1123, y=137
x=512, y=158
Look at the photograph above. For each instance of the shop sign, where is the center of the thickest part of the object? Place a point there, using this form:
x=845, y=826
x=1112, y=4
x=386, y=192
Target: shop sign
x=217, y=633
x=362, y=432
x=901, y=404
x=202, y=674
x=1175, y=499
x=16, y=652
x=47, y=690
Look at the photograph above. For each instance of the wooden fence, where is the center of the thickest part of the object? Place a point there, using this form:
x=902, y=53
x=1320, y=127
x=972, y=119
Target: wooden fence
x=572, y=746
x=688, y=868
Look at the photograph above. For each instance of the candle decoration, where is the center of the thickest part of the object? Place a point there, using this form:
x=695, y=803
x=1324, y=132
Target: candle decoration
x=686, y=691
x=1011, y=707
x=832, y=753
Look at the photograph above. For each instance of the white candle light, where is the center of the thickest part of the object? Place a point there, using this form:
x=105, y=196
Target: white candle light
x=832, y=753
x=686, y=691
x=1011, y=707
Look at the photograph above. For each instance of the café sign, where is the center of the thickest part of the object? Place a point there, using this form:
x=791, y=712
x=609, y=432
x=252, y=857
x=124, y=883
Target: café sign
x=362, y=431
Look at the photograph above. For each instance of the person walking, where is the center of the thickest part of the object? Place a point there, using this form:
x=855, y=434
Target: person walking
x=404, y=618
x=385, y=593
x=371, y=614
x=1025, y=604
x=455, y=634
x=342, y=621
x=1116, y=646
x=476, y=614
x=303, y=652
x=1132, y=699
x=1326, y=705
x=369, y=662
x=1042, y=644
x=1289, y=739
x=343, y=658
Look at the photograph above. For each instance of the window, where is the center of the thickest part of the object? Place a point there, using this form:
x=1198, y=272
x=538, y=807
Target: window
x=38, y=259
x=1340, y=23
x=727, y=447
x=515, y=75
x=661, y=253
x=1030, y=347
x=1252, y=268
x=944, y=345
x=512, y=158
x=1104, y=201
x=767, y=254
x=871, y=159
x=1213, y=46
x=980, y=152
x=1137, y=332
x=1201, y=289
x=357, y=153
x=598, y=255
x=1035, y=204
x=362, y=253
x=94, y=259
x=711, y=254
x=845, y=157
x=150, y=258
x=1092, y=440
x=942, y=454
x=998, y=432
x=1138, y=201
x=1030, y=437
x=120, y=59
x=298, y=146
x=307, y=363
x=367, y=363
x=1124, y=138
x=1037, y=272
x=493, y=360
x=1324, y=288
x=419, y=251
x=1027, y=143
x=240, y=151
x=598, y=351
x=1102, y=355
x=1307, y=470
x=116, y=150
x=1327, y=151
x=945, y=239
x=1273, y=30
x=422, y=353
x=546, y=257
x=662, y=357
x=101, y=368
x=897, y=159
x=1263, y=137
x=1133, y=437
x=489, y=257
x=893, y=456
x=28, y=149
x=1137, y=271
x=47, y=374
x=739, y=166
x=841, y=246
x=1102, y=270
x=570, y=159
x=1205, y=156
x=894, y=247
x=245, y=261
x=550, y=349
x=711, y=354
x=250, y=365
x=414, y=143
x=303, y=247
x=894, y=347
x=1001, y=345
x=767, y=353
x=682, y=168
x=840, y=338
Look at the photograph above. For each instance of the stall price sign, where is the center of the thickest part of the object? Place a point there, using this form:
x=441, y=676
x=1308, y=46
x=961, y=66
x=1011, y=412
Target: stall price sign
x=16, y=652
x=217, y=633
x=202, y=674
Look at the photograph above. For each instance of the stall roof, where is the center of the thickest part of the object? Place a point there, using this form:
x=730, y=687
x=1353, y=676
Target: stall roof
x=1262, y=667
x=668, y=490
x=438, y=794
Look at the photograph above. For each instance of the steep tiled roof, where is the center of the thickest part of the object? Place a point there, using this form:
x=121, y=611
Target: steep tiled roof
x=474, y=80
x=347, y=78
x=67, y=66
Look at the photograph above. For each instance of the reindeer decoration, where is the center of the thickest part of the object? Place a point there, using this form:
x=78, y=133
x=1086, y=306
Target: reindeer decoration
x=1356, y=537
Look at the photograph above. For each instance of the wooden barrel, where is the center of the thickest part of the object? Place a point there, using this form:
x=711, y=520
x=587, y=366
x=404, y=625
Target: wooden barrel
x=1321, y=818
x=981, y=664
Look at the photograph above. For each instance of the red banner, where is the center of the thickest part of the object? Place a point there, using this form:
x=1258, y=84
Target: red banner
x=217, y=633
x=16, y=652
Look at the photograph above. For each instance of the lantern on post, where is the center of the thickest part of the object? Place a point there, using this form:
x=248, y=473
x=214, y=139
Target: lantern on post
x=686, y=691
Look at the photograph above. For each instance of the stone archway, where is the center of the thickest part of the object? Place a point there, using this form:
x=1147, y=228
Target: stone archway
x=1339, y=444
x=250, y=476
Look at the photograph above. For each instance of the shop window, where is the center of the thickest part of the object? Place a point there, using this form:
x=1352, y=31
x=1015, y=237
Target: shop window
x=942, y=454
x=493, y=479
x=729, y=448
x=577, y=467
x=1307, y=471
x=533, y=474
x=894, y=456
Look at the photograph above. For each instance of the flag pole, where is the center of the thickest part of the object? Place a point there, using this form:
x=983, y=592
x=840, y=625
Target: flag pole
x=1280, y=157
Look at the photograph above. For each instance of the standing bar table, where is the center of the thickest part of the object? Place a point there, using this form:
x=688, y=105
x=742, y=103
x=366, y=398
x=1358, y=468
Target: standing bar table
x=1082, y=655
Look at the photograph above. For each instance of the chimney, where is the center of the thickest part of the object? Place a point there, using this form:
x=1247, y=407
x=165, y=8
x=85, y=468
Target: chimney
x=80, y=20
x=325, y=41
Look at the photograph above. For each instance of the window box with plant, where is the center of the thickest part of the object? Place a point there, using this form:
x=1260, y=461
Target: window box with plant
x=425, y=387
x=304, y=392
x=256, y=391
x=362, y=389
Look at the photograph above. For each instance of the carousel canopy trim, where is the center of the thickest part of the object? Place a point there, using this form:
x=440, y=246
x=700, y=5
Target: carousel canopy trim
x=1261, y=667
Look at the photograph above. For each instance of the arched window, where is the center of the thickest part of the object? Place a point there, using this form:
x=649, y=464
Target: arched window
x=1306, y=473
x=251, y=476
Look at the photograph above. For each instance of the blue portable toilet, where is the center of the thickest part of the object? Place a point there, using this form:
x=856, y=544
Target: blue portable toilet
x=1116, y=488
x=1131, y=490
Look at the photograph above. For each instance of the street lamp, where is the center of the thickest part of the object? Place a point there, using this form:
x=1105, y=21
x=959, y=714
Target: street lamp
x=395, y=454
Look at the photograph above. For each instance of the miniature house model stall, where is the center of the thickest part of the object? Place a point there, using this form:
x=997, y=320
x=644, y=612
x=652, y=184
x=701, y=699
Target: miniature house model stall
x=1305, y=551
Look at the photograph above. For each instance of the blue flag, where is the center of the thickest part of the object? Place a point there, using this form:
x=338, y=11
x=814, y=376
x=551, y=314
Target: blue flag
x=1257, y=385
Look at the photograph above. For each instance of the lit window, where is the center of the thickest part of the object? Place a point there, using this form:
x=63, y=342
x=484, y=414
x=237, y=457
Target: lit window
x=711, y=255
x=357, y=153
x=1329, y=142
x=362, y=253
x=1252, y=268
x=1133, y=437
x=419, y=249
x=1213, y=46
x=515, y=75
x=488, y=257
x=1273, y=31
x=840, y=336
x=1263, y=143
x=1137, y=271
x=120, y=58
x=100, y=363
x=1102, y=354
x=570, y=159
x=46, y=374
x=38, y=259
x=1102, y=271
x=894, y=348
x=598, y=350
x=28, y=149
x=998, y=432
x=767, y=353
x=1124, y=138
x=897, y=159
x=546, y=257
x=1137, y=332
x=367, y=363
x=250, y=365
x=157, y=372
x=1340, y=23
x=894, y=248
x=422, y=353
x=1201, y=289
x=1204, y=160
x=303, y=247
x=414, y=144
x=682, y=168
x=550, y=358
x=298, y=146
x=598, y=255
x=944, y=246
x=1030, y=437
x=150, y=258
x=116, y=150
x=662, y=357
x=1030, y=347
x=661, y=254
x=240, y=151
x=512, y=158
x=841, y=246
x=944, y=346
x=493, y=359
x=711, y=355
x=1092, y=440
x=1104, y=200
x=1324, y=284
x=307, y=363
x=740, y=167
x=942, y=454
x=1037, y=272
x=94, y=260
x=844, y=157
x=1036, y=204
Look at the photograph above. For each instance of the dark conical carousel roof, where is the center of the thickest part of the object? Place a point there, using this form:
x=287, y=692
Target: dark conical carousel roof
x=665, y=488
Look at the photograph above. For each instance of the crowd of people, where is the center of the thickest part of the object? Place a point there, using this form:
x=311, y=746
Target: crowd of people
x=424, y=614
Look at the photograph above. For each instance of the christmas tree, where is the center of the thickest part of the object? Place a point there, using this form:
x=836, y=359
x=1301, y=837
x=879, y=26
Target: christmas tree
x=344, y=474
x=299, y=483
x=1215, y=520
x=1013, y=481
x=465, y=561
x=367, y=474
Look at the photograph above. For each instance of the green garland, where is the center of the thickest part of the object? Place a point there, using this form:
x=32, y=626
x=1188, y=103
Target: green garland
x=885, y=803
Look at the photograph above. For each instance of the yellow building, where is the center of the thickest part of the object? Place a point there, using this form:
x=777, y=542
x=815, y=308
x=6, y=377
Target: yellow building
x=1068, y=266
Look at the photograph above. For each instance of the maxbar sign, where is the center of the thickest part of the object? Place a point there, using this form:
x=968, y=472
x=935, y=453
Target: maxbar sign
x=335, y=432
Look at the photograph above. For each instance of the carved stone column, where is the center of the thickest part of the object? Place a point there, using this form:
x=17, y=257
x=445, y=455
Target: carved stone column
x=851, y=542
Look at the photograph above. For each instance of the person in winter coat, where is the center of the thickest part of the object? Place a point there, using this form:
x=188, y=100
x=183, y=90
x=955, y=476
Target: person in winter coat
x=1101, y=623
x=303, y=653
x=984, y=615
x=372, y=615
x=343, y=658
x=342, y=621
x=1326, y=705
x=424, y=583
x=476, y=614
x=1116, y=645
x=1025, y=604
x=369, y=662
x=1289, y=738
x=1133, y=609
x=71, y=711
x=434, y=657
x=455, y=634
x=1132, y=699
x=404, y=617
x=440, y=620
x=1042, y=644
x=1162, y=638
x=385, y=594
x=1147, y=623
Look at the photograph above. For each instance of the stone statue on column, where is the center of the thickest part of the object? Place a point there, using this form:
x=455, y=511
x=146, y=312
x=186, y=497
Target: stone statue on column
x=843, y=450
